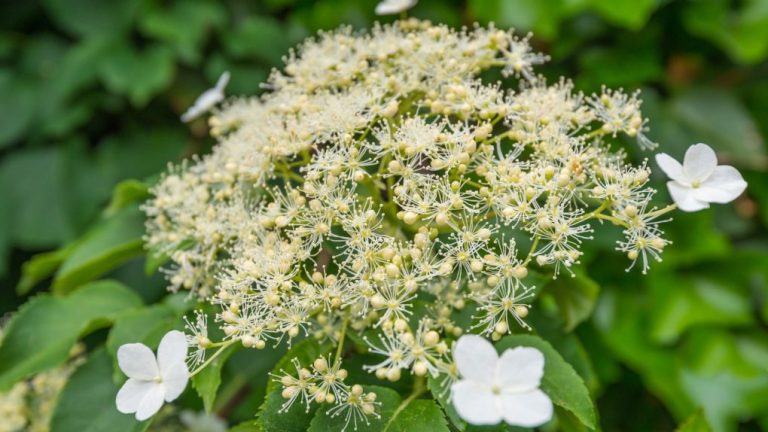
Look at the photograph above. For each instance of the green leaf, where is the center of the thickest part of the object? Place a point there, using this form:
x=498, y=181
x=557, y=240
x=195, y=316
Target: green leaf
x=114, y=241
x=87, y=402
x=295, y=419
x=694, y=301
x=258, y=36
x=125, y=193
x=575, y=298
x=441, y=396
x=718, y=118
x=183, y=25
x=563, y=385
x=40, y=267
x=248, y=426
x=41, y=334
x=93, y=17
x=207, y=382
x=632, y=14
x=697, y=422
x=421, y=415
x=137, y=74
x=541, y=16
x=18, y=99
x=305, y=351
x=742, y=33
x=389, y=399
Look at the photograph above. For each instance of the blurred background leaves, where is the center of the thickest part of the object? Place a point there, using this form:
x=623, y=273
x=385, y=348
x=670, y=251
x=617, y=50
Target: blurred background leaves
x=91, y=92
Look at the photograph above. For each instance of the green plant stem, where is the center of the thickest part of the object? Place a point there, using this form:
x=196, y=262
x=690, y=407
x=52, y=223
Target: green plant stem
x=223, y=346
x=419, y=387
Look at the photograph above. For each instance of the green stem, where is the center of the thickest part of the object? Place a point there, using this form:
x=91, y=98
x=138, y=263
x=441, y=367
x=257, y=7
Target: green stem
x=340, y=347
x=419, y=387
x=211, y=358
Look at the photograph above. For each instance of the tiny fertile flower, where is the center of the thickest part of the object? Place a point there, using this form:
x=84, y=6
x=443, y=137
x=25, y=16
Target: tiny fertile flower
x=699, y=180
x=493, y=388
x=391, y=7
x=152, y=380
x=207, y=100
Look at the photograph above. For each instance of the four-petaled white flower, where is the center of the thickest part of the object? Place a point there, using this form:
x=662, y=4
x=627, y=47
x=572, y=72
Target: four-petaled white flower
x=152, y=381
x=699, y=180
x=494, y=388
x=391, y=7
x=207, y=100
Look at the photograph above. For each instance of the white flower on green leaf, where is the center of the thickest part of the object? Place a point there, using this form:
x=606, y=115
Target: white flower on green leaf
x=152, y=380
x=493, y=388
x=699, y=180
x=206, y=101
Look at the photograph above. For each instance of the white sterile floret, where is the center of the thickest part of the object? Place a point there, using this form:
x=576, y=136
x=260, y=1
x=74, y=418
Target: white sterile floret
x=391, y=7
x=152, y=380
x=493, y=388
x=699, y=180
x=206, y=101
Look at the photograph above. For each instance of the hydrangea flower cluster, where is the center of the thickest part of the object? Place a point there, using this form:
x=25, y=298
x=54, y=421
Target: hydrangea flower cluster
x=380, y=174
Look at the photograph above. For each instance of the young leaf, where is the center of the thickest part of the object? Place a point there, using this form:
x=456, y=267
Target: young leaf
x=41, y=334
x=87, y=402
x=207, y=382
x=40, y=267
x=125, y=193
x=109, y=244
x=563, y=385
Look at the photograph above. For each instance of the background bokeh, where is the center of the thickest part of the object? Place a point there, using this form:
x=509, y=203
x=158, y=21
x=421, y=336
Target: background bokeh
x=90, y=97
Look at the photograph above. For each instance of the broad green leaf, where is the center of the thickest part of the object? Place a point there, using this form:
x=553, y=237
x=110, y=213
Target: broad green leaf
x=693, y=301
x=41, y=334
x=249, y=38
x=541, y=16
x=40, y=267
x=697, y=422
x=742, y=33
x=207, y=382
x=137, y=74
x=390, y=402
x=575, y=298
x=93, y=17
x=305, y=351
x=422, y=415
x=719, y=119
x=87, y=402
x=632, y=14
x=125, y=193
x=183, y=25
x=563, y=385
x=114, y=241
x=441, y=395
x=18, y=99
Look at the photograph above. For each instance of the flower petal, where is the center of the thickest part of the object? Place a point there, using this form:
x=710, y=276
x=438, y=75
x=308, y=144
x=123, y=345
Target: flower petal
x=475, y=403
x=684, y=197
x=131, y=394
x=137, y=361
x=526, y=409
x=391, y=7
x=222, y=82
x=172, y=350
x=175, y=380
x=724, y=185
x=699, y=162
x=671, y=167
x=520, y=369
x=151, y=402
x=475, y=358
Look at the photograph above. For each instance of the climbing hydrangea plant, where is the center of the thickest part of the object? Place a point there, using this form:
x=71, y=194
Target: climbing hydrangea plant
x=383, y=197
